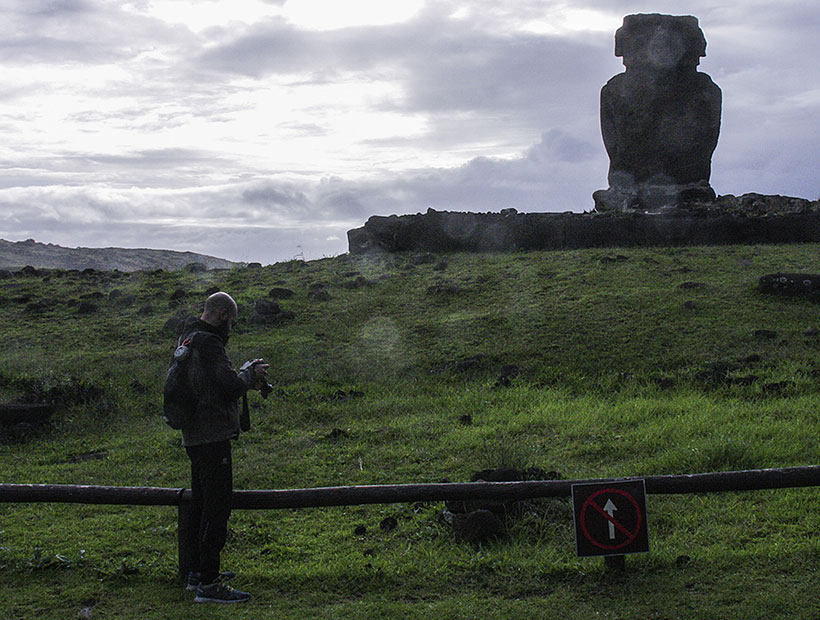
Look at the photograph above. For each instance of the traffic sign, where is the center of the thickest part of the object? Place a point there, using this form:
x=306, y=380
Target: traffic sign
x=610, y=518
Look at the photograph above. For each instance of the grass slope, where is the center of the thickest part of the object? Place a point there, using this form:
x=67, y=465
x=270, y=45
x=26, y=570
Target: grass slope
x=592, y=363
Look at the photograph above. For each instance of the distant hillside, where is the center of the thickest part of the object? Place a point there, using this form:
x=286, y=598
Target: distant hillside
x=15, y=255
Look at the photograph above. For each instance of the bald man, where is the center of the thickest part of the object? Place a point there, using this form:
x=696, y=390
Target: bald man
x=207, y=437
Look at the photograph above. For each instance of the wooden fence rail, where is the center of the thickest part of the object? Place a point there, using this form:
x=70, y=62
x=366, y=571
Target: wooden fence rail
x=747, y=480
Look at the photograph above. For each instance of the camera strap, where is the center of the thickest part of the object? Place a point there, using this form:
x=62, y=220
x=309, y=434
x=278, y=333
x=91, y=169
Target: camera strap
x=245, y=417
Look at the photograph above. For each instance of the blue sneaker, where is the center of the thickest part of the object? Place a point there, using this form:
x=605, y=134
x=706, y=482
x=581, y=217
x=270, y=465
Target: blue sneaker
x=194, y=580
x=217, y=592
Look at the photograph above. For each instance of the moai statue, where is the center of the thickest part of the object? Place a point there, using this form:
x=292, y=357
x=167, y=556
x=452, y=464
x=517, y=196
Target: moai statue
x=660, y=119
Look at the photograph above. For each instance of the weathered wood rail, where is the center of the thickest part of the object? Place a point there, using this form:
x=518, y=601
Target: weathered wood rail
x=746, y=480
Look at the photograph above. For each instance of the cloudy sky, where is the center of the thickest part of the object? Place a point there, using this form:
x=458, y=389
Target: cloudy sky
x=263, y=130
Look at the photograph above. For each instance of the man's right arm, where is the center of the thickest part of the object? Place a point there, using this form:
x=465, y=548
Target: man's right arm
x=218, y=367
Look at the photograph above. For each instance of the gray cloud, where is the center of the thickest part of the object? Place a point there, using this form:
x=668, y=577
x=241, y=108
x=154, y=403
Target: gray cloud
x=474, y=83
x=276, y=196
x=36, y=32
x=154, y=158
x=552, y=175
x=443, y=65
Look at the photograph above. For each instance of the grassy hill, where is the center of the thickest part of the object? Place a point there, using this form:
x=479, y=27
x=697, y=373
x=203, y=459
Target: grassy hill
x=420, y=368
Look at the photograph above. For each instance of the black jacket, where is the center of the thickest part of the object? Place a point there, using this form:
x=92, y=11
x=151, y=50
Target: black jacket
x=216, y=385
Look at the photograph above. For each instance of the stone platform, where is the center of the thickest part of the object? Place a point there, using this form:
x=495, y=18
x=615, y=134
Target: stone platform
x=748, y=219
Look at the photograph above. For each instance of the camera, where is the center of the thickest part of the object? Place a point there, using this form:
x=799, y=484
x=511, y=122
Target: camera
x=262, y=385
x=265, y=388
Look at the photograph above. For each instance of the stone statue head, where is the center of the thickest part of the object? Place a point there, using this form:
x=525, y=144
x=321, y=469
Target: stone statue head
x=660, y=42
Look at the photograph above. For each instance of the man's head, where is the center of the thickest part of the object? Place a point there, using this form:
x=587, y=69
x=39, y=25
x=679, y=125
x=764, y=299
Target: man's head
x=220, y=311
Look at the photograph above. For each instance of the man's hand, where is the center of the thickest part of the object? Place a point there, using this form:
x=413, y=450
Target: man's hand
x=254, y=373
x=260, y=368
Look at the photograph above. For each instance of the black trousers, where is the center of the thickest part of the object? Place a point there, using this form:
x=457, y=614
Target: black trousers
x=211, y=488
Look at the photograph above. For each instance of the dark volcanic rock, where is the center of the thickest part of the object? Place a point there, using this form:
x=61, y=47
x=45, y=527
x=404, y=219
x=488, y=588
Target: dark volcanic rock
x=280, y=293
x=268, y=312
x=477, y=526
x=501, y=474
x=357, y=282
x=388, y=524
x=806, y=286
x=511, y=474
x=25, y=413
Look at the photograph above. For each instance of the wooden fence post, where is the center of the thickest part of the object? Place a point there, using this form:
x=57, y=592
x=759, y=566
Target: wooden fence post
x=615, y=562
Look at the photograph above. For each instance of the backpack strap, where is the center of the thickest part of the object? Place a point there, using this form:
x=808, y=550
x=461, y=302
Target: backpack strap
x=188, y=339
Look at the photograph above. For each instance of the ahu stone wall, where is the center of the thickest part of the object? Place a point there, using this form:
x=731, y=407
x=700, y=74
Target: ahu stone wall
x=748, y=219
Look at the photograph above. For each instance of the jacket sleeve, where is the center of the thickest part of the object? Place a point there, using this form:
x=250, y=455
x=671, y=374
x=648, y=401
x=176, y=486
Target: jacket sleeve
x=222, y=376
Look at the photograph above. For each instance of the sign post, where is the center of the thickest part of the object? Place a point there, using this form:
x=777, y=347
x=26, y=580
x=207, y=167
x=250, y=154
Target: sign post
x=610, y=518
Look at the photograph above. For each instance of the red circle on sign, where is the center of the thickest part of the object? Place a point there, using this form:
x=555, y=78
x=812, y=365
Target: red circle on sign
x=631, y=536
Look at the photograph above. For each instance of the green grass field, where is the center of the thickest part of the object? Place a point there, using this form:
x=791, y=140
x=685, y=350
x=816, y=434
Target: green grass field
x=593, y=363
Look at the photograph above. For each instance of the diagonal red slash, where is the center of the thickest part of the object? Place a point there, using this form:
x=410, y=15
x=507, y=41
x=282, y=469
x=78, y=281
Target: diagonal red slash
x=612, y=520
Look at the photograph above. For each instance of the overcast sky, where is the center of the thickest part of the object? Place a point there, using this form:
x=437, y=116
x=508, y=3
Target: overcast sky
x=263, y=130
